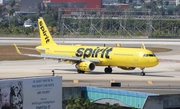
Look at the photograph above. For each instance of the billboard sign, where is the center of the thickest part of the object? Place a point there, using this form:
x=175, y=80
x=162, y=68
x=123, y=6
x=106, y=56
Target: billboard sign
x=31, y=93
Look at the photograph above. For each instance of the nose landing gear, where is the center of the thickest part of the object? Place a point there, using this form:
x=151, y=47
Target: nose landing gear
x=142, y=73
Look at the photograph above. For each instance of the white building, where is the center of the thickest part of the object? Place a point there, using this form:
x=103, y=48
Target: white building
x=177, y=2
x=1, y=1
x=28, y=23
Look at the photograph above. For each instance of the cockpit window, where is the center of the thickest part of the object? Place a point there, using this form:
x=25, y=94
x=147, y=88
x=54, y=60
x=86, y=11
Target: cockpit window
x=145, y=55
x=149, y=55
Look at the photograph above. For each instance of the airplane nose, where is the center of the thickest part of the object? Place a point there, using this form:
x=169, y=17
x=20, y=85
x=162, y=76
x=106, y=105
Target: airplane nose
x=155, y=61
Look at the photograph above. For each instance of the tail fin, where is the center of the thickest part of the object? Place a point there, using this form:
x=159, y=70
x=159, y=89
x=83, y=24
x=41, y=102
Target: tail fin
x=45, y=36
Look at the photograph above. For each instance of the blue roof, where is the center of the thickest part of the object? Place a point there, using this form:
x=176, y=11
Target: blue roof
x=116, y=92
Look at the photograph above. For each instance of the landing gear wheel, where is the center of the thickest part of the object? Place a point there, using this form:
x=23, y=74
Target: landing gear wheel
x=108, y=70
x=80, y=71
x=142, y=74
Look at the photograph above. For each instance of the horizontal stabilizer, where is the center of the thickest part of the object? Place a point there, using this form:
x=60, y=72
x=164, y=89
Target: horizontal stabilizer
x=17, y=50
x=27, y=48
x=32, y=55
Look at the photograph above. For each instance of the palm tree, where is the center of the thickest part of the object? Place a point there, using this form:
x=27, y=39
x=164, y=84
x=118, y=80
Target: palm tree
x=79, y=103
x=69, y=103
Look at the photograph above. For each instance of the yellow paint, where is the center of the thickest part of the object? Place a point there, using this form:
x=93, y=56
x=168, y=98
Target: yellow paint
x=76, y=81
x=112, y=81
x=149, y=82
x=122, y=57
x=118, y=45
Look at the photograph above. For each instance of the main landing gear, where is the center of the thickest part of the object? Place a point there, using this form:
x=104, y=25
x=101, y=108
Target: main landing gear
x=80, y=71
x=108, y=69
x=142, y=73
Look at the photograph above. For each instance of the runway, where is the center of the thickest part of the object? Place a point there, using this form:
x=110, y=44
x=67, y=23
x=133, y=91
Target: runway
x=164, y=78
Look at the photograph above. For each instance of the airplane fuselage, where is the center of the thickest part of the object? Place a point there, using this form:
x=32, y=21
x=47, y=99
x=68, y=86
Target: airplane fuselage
x=109, y=56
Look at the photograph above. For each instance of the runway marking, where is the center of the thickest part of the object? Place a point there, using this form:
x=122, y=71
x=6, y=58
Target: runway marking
x=76, y=81
x=149, y=82
x=169, y=60
x=112, y=81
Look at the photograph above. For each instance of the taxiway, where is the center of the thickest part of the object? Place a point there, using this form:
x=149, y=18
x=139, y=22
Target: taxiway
x=164, y=78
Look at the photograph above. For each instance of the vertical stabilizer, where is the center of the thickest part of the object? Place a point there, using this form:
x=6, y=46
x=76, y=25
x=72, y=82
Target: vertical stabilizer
x=45, y=36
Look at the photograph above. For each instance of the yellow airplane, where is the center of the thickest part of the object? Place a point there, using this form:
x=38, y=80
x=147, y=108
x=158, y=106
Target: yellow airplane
x=86, y=58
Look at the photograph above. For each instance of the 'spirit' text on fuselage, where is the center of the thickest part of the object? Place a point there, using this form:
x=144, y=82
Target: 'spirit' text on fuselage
x=94, y=52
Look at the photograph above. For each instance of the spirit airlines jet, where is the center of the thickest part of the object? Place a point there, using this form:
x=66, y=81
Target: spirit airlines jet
x=86, y=58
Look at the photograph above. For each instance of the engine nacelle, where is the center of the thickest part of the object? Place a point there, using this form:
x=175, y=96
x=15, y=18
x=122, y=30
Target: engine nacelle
x=85, y=66
x=127, y=68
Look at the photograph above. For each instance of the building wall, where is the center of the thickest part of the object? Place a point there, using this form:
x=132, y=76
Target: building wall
x=68, y=92
x=71, y=91
x=94, y=3
x=30, y=5
x=125, y=98
x=89, y=3
x=163, y=102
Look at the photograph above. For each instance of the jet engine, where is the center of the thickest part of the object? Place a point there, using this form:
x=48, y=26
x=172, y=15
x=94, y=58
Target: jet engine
x=85, y=66
x=127, y=68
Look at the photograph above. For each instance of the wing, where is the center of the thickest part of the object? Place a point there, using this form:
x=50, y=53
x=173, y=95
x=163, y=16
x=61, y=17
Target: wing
x=59, y=57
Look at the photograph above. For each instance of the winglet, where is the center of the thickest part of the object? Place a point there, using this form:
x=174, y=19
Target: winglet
x=17, y=50
x=143, y=46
